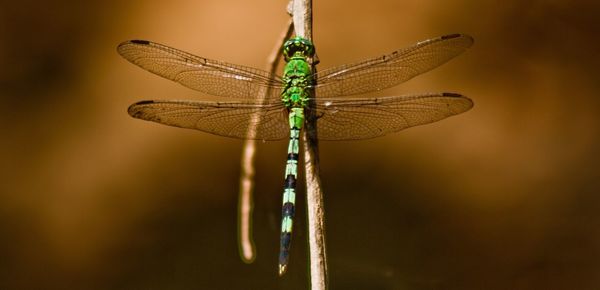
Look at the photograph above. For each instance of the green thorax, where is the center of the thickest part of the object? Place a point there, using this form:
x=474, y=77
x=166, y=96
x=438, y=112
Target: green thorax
x=297, y=73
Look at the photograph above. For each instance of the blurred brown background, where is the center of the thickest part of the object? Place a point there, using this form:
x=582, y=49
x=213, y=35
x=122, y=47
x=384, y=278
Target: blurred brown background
x=504, y=196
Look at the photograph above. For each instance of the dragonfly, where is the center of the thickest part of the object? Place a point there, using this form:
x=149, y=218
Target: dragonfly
x=265, y=106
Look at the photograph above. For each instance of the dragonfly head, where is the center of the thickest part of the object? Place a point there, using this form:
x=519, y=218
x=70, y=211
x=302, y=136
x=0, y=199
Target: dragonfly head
x=298, y=46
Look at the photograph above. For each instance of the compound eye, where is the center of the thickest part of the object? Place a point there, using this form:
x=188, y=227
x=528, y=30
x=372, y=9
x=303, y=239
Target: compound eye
x=297, y=45
x=307, y=47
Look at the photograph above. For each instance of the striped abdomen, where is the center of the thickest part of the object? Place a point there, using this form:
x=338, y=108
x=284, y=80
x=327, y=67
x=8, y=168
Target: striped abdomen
x=289, y=187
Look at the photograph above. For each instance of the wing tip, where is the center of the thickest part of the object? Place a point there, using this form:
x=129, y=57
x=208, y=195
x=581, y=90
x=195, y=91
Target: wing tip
x=133, y=41
x=467, y=37
x=139, y=41
x=450, y=36
x=134, y=109
x=469, y=103
x=455, y=95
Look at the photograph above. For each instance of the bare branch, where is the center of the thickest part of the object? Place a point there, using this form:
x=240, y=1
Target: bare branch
x=302, y=15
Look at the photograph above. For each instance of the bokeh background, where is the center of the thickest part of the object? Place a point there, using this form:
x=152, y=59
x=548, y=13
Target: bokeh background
x=505, y=196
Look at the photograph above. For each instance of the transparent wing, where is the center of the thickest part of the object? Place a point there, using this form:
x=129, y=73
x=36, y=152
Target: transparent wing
x=242, y=120
x=201, y=74
x=363, y=118
x=392, y=69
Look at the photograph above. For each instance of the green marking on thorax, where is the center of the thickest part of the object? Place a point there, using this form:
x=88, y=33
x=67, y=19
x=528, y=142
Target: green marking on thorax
x=297, y=73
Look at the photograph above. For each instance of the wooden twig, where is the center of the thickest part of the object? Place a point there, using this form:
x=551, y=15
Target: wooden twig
x=302, y=16
x=246, y=245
